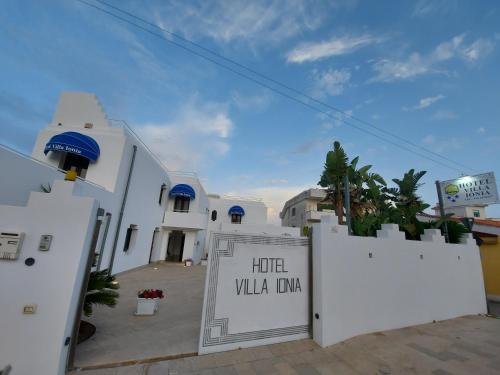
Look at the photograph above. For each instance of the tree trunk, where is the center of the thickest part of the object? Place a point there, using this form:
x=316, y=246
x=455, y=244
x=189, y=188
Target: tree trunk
x=339, y=207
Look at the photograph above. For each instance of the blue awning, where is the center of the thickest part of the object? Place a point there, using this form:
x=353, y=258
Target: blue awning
x=182, y=190
x=236, y=210
x=74, y=143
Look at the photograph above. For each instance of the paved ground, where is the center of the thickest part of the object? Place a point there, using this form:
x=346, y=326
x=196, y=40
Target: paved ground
x=468, y=345
x=174, y=329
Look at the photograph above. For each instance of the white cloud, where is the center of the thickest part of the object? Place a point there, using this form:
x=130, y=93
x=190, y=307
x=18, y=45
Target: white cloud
x=330, y=82
x=444, y=114
x=276, y=181
x=257, y=21
x=198, y=135
x=442, y=145
x=429, y=139
x=425, y=8
x=257, y=102
x=425, y=103
x=389, y=70
x=337, y=46
x=478, y=50
x=341, y=117
x=416, y=64
x=481, y=130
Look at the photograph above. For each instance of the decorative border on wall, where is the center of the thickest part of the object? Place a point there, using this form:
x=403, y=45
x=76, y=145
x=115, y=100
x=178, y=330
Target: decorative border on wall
x=216, y=330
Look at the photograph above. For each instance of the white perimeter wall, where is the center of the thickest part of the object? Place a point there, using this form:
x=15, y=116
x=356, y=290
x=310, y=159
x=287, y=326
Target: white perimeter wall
x=355, y=294
x=34, y=344
x=270, y=229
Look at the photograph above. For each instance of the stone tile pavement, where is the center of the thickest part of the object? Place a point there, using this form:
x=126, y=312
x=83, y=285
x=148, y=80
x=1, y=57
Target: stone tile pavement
x=467, y=345
x=174, y=329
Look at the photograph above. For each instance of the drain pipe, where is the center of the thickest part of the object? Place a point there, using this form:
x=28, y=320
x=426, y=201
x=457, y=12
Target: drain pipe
x=120, y=217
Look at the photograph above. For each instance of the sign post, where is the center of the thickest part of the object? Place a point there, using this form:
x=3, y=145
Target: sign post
x=441, y=210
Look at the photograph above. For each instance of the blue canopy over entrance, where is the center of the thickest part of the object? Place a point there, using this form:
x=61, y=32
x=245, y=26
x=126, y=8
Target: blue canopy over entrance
x=182, y=190
x=74, y=143
x=236, y=210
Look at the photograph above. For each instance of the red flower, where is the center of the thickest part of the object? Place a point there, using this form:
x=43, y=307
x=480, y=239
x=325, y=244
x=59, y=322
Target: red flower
x=151, y=293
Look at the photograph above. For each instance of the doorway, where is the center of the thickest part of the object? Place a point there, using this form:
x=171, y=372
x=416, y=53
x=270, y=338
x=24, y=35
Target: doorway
x=175, y=247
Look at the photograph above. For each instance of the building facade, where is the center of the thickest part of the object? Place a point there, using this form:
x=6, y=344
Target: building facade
x=488, y=232
x=148, y=212
x=305, y=209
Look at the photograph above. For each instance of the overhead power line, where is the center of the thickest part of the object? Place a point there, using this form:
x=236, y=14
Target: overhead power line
x=343, y=114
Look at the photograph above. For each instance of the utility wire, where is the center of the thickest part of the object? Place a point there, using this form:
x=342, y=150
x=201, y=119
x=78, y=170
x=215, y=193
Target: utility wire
x=283, y=85
x=267, y=86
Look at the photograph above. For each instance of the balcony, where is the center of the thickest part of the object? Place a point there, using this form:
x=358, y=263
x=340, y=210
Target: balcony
x=315, y=216
x=184, y=220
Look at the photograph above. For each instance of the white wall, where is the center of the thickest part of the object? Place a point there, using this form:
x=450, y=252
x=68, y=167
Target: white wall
x=24, y=176
x=34, y=344
x=355, y=294
x=73, y=111
x=270, y=229
x=142, y=207
x=237, y=315
x=255, y=211
x=200, y=203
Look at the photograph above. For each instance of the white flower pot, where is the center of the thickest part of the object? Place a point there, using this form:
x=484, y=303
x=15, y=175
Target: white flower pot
x=147, y=306
x=188, y=263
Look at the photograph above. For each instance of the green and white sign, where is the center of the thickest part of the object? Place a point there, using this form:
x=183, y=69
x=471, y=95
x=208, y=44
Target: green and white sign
x=480, y=189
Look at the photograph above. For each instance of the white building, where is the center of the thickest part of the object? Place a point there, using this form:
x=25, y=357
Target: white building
x=305, y=209
x=124, y=210
x=148, y=212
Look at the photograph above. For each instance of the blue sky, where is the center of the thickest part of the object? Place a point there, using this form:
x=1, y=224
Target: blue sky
x=427, y=71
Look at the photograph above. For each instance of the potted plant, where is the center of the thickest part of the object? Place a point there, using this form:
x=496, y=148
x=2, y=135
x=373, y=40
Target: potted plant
x=188, y=262
x=101, y=290
x=147, y=301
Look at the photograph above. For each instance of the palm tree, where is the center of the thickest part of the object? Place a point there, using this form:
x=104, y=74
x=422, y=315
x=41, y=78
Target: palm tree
x=101, y=290
x=361, y=183
x=362, y=187
x=336, y=165
x=408, y=203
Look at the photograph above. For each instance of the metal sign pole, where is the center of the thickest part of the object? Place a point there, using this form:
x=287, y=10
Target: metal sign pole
x=441, y=210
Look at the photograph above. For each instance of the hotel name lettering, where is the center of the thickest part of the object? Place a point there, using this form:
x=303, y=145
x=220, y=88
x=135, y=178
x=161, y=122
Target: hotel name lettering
x=276, y=279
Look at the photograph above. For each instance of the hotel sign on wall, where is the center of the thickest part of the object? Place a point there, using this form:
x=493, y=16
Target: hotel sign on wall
x=256, y=291
x=469, y=190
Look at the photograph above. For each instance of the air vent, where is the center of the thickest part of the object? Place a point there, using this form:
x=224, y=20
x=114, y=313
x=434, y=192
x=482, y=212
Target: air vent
x=88, y=125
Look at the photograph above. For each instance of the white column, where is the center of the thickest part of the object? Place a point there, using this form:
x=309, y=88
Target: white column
x=163, y=245
x=189, y=243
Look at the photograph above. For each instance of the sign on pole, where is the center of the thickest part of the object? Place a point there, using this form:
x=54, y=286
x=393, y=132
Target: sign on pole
x=480, y=189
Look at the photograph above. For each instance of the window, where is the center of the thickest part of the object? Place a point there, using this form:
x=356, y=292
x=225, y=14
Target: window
x=214, y=215
x=130, y=237
x=293, y=211
x=162, y=190
x=476, y=213
x=235, y=219
x=72, y=162
x=181, y=204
